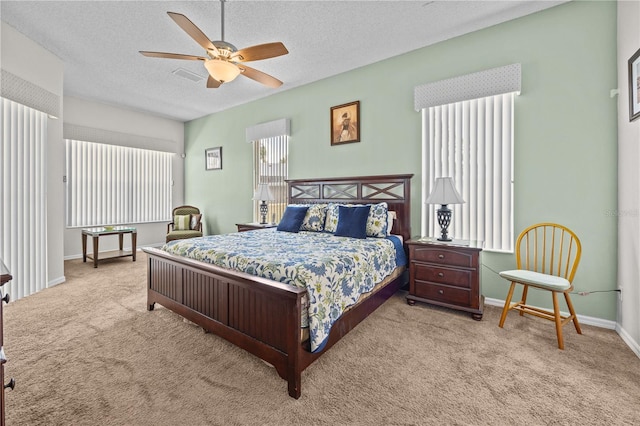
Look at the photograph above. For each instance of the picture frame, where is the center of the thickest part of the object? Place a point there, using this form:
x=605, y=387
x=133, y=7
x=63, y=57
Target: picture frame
x=213, y=158
x=634, y=86
x=345, y=123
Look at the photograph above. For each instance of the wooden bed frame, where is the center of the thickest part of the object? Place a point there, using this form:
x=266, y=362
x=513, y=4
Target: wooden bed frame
x=262, y=316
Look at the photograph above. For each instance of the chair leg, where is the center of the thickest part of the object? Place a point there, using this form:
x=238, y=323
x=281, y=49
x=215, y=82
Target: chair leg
x=507, y=302
x=572, y=312
x=558, y=319
x=525, y=291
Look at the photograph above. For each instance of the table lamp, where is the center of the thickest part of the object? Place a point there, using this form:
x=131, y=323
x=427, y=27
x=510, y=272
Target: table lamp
x=263, y=194
x=444, y=192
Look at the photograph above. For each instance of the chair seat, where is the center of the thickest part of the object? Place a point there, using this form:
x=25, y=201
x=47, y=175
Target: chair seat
x=179, y=235
x=537, y=279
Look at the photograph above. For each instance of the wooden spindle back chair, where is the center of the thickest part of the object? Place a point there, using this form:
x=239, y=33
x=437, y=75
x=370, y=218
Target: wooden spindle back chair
x=547, y=257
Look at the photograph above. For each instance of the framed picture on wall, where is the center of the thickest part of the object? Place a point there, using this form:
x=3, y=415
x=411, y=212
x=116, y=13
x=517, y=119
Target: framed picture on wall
x=345, y=123
x=634, y=86
x=213, y=158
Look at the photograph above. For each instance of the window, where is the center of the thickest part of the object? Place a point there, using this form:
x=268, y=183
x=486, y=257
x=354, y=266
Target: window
x=472, y=142
x=467, y=134
x=23, y=195
x=270, y=166
x=110, y=184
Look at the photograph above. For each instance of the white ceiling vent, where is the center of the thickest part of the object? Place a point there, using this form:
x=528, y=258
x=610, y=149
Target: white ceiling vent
x=189, y=75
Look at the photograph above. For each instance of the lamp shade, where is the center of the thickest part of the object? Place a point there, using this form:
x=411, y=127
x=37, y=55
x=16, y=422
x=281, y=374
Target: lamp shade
x=444, y=192
x=222, y=71
x=263, y=193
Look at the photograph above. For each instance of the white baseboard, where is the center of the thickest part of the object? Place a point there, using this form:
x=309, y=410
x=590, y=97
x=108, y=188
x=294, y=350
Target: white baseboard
x=154, y=245
x=597, y=322
x=79, y=256
x=56, y=281
x=73, y=256
x=586, y=320
x=635, y=347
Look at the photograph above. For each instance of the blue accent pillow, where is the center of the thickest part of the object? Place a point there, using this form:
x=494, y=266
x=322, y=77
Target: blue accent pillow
x=292, y=218
x=352, y=221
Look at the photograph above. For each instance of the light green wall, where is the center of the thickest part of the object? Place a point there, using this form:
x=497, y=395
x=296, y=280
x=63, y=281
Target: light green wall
x=565, y=134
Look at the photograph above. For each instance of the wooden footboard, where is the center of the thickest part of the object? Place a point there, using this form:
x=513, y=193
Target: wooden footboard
x=263, y=316
x=256, y=314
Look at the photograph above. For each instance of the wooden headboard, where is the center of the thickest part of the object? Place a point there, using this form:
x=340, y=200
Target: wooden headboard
x=395, y=190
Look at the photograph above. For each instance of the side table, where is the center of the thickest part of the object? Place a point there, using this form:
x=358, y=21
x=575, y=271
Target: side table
x=96, y=233
x=446, y=274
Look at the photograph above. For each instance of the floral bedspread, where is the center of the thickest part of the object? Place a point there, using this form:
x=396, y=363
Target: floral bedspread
x=334, y=270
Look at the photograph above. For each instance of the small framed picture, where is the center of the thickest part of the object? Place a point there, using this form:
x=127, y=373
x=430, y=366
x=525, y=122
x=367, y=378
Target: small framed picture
x=213, y=158
x=345, y=123
x=634, y=86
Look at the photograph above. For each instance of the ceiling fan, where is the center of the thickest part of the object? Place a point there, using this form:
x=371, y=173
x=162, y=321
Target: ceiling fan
x=223, y=61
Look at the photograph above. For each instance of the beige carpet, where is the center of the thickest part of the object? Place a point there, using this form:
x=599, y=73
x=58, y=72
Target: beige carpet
x=88, y=353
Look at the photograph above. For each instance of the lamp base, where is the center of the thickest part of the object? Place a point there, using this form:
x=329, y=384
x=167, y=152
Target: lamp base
x=444, y=220
x=263, y=213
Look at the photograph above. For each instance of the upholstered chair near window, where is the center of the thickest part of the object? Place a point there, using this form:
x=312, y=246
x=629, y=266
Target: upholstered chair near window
x=547, y=256
x=187, y=223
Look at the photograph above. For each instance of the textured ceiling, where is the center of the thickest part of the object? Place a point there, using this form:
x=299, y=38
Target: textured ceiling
x=98, y=41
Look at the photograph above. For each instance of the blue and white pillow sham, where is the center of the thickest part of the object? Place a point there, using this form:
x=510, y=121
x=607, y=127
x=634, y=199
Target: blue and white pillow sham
x=315, y=218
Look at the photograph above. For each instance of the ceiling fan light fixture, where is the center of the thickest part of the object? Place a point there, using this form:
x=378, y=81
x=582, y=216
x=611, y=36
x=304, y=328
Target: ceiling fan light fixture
x=222, y=71
x=222, y=59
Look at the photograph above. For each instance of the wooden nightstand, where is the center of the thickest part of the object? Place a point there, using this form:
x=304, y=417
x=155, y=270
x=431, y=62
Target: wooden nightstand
x=254, y=225
x=446, y=274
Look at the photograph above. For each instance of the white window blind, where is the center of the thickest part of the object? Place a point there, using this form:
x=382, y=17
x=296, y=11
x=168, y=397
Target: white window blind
x=271, y=166
x=110, y=185
x=472, y=142
x=23, y=215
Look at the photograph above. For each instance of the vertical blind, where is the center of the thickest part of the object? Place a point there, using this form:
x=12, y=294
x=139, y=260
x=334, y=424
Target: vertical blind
x=270, y=166
x=23, y=214
x=472, y=141
x=110, y=184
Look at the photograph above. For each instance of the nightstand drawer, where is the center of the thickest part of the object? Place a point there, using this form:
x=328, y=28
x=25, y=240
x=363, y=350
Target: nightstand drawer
x=441, y=256
x=441, y=275
x=443, y=293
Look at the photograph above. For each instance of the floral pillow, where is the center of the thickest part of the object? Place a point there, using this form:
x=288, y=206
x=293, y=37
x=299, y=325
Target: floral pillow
x=331, y=222
x=376, y=222
x=315, y=218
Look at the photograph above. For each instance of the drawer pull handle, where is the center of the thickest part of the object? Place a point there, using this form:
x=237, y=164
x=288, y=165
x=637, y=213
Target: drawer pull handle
x=6, y=298
x=11, y=384
x=440, y=274
x=440, y=291
x=441, y=256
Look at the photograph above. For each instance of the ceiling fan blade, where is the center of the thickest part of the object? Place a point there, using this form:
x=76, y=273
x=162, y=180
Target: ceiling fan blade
x=172, y=56
x=259, y=76
x=261, y=51
x=212, y=83
x=195, y=32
